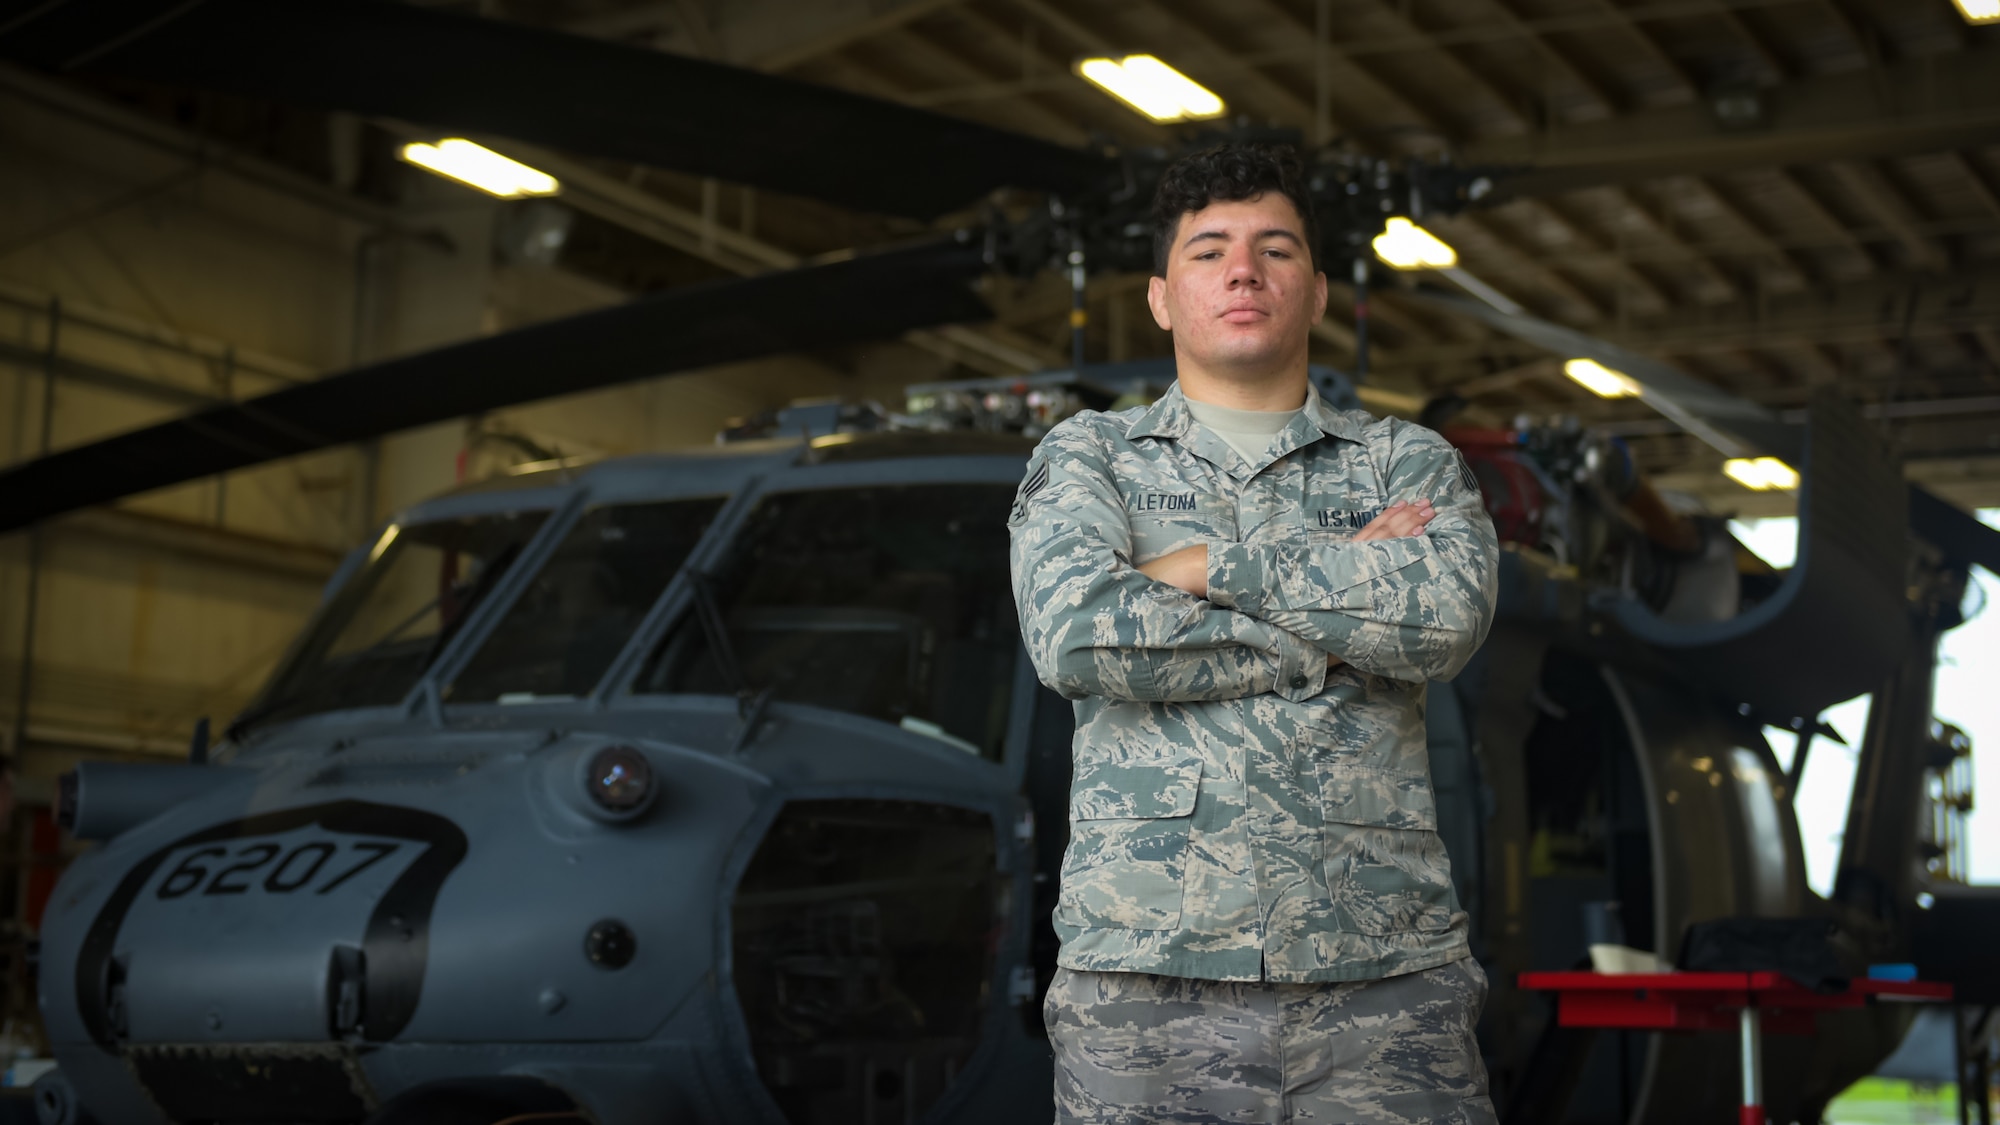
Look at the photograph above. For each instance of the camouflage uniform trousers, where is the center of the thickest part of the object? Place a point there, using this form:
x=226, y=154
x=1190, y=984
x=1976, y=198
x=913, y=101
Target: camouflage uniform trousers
x=1135, y=1047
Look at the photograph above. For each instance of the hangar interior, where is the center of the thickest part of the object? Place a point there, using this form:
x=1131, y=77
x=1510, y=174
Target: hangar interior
x=1776, y=197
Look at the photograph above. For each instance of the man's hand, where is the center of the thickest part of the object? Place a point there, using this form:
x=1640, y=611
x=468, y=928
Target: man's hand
x=1397, y=520
x=1186, y=568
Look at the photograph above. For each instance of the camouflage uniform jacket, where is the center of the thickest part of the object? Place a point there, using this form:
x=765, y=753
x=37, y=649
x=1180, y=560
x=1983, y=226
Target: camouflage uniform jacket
x=1238, y=810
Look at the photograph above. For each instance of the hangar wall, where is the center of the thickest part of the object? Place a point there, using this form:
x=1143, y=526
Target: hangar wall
x=142, y=275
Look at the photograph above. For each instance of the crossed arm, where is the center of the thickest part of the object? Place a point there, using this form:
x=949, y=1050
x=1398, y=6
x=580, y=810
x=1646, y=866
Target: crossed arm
x=1187, y=568
x=1224, y=620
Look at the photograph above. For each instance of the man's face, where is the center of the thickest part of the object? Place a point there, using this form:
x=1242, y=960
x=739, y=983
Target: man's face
x=1240, y=294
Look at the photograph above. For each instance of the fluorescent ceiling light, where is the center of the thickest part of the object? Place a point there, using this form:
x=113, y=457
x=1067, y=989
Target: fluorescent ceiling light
x=480, y=167
x=1407, y=246
x=1601, y=380
x=1979, y=11
x=1152, y=87
x=1764, y=474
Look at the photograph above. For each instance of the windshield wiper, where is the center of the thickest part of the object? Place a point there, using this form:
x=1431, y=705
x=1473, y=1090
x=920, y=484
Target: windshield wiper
x=708, y=612
x=752, y=704
x=488, y=578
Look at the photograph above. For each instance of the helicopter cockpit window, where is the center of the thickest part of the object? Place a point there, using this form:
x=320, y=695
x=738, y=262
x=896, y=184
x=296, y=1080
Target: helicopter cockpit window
x=375, y=639
x=890, y=601
x=576, y=614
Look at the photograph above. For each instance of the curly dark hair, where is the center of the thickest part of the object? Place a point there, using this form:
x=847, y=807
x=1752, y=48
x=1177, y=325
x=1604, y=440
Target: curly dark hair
x=1228, y=173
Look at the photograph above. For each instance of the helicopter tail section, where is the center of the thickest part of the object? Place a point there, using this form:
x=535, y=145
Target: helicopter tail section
x=1836, y=626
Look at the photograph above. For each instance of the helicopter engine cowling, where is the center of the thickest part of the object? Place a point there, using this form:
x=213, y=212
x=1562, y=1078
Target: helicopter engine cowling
x=99, y=800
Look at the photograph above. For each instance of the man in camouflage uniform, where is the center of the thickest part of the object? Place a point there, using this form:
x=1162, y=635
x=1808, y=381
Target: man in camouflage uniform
x=1246, y=591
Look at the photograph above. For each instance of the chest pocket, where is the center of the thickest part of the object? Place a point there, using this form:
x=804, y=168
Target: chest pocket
x=1165, y=521
x=1386, y=868
x=1342, y=494
x=1128, y=844
x=1335, y=517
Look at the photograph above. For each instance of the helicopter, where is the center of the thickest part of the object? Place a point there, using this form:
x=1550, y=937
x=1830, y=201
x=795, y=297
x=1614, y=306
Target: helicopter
x=716, y=785
x=857, y=782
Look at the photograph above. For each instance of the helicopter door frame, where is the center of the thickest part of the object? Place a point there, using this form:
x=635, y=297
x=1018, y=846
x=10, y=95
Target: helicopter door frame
x=425, y=698
x=553, y=500
x=615, y=683
x=729, y=477
x=614, y=690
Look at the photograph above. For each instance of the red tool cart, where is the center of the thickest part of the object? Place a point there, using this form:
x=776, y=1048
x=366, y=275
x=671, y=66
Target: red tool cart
x=1747, y=1003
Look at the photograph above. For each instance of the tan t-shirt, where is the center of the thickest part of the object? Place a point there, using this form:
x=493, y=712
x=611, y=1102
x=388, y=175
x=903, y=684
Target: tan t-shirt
x=1248, y=432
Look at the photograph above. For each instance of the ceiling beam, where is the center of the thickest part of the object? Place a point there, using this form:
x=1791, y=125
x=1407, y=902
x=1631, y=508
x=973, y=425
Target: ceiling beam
x=1988, y=341
x=1607, y=102
x=1303, y=114
x=754, y=34
x=1662, y=225
x=700, y=32
x=1087, y=38
x=1454, y=67
x=1724, y=245
x=832, y=35
x=1342, y=66
x=1922, y=105
x=1029, y=116
x=1520, y=259
x=1862, y=313
x=1581, y=236
x=1759, y=44
x=1867, y=184
x=1857, y=28
x=1075, y=32
x=1712, y=275
x=1278, y=100
x=1794, y=270
x=1821, y=369
x=1982, y=189
x=690, y=232
x=1810, y=204
x=1650, y=45
x=1073, y=93
x=102, y=114
x=1716, y=280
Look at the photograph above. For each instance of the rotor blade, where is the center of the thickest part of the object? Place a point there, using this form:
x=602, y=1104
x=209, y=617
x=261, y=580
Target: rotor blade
x=1952, y=530
x=867, y=298
x=467, y=74
x=1733, y=425
x=1723, y=420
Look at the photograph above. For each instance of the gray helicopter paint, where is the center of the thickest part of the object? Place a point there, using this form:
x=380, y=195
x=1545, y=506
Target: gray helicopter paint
x=186, y=984
x=505, y=986
x=521, y=833
x=721, y=471
x=1725, y=843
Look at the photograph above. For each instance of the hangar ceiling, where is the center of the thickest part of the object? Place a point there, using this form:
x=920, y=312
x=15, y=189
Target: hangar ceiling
x=1810, y=190
x=1789, y=194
